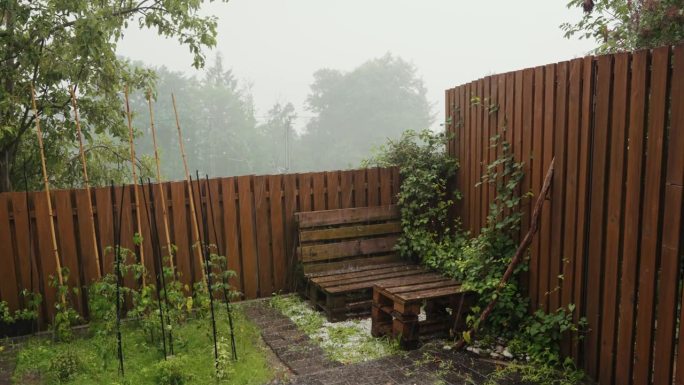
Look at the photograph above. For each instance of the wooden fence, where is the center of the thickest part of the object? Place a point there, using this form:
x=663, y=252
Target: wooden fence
x=611, y=233
x=253, y=217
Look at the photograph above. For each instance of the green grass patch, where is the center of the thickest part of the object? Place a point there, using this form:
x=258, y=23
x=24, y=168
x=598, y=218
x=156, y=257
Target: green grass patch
x=93, y=361
x=346, y=342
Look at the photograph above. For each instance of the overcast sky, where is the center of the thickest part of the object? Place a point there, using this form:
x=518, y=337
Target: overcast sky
x=277, y=45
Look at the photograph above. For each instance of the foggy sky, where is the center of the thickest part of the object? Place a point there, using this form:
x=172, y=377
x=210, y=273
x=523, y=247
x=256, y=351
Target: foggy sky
x=276, y=45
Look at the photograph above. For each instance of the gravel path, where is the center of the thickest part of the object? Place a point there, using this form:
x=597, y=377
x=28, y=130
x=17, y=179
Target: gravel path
x=428, y=365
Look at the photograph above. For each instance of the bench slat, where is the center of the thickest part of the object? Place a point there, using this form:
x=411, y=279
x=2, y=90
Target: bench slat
x=354, y=269
x=422, y=286
x=344, y=216
x=361, y=274
x=354, y=231
x=348, y=264
x=428, y=294
x=399, y=281
x=409, y=270
x=346, y=249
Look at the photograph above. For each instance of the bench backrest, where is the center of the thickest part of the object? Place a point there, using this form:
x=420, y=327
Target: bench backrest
x=337, y=239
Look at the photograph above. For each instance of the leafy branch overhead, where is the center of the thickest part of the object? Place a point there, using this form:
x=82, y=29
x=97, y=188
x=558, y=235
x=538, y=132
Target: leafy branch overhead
x=53, y=44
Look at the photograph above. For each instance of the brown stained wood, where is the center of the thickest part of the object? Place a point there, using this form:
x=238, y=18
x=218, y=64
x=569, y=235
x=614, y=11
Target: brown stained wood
x=508, y=119
x=86, y=226
x=398, y=280
x=290, y=207
x=263, y=237
x=346, y=189
x=571, y=194
x=614, y=214
x=347, y=249
x=396, y=184
x=360, y=189
x=319, y=196
x=596, y=241
x=445, y=282
x=653, y=186
x=478, y=114
x=363, y=274
x=586, y=111
x=373, y=175
x=181, y=233
x=66, y=240
x=9, y=287
x=355, y=269
x=462, y=180
x=353, y=231
x=385, y=187
x=104, y=218
x=428, y=294
x=48, y=267
x=542, y=132
x=250, y=272
x=518, y=140
x=483, y=190
x=332, y=179
x=526, y=136
x=636, y=139
x=146, y=232
x=25, y=249
x=347, y=216
x=554, y=147
x=305, y=192
x=315, y=268
x=128, y=230
x=466, y=160
x=672, y=229
x=231, y=233
x=275, y=197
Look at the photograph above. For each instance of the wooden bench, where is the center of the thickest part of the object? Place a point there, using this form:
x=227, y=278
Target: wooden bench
x=396, y=309
x=344, y=252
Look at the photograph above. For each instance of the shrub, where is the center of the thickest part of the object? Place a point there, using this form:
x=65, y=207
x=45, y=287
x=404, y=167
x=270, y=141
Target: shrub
x=170, y=372
x=65, y=365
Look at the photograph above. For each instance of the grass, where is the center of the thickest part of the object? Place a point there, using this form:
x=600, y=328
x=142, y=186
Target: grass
x=347, y=342
x=94, y=359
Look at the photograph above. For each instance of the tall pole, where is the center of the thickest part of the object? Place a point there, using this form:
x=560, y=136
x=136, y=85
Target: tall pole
x=135, y=182
x=39, y=133
x=96, y=253
x=162, y=199
x=195, y=226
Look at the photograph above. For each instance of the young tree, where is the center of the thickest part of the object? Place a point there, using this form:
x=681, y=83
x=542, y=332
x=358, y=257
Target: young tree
x=53, y=44
x=361, y=109
x=626, y=25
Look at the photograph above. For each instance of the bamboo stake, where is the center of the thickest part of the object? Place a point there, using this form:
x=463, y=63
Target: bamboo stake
x=517, y=258
x=135, y=182
x=162, y=198
x=195, y=226
x=39, y=133
x=74, y=104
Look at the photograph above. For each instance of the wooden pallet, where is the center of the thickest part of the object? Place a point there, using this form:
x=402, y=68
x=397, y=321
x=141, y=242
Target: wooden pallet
x=343, y=253
x=396, y=308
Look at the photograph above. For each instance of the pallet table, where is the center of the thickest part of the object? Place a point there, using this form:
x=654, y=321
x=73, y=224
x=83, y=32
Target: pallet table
x=396, y=308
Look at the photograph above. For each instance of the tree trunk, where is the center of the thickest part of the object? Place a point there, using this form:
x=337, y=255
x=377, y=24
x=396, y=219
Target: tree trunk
x=5, y=181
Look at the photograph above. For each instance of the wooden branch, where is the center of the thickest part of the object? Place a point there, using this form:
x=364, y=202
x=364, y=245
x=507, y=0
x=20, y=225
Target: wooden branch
x=96, y=253
x=195, y=226
x=518, y=257
x=39, y=133
x=135, y=179
x=159, y=181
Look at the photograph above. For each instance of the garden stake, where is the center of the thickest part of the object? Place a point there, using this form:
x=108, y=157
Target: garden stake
x=205, y=249
x=96, y=254
x=39, y=133
x=117, y=270
x=161, y=265
x=162, y=199
x=155, y=246
x=135, y=183
x=517, y=258
x=223, y=277
x=188, y=180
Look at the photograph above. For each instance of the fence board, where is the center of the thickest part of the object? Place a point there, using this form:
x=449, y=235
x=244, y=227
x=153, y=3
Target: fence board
x=179, y=214
x=558, y=144
x=650, y=225
x=373, y=187
x=231, y=232
x=67, y=243
x=277, y=232
x=8, y=284
x=319, y=200
x=24, y=245
x=47, y=266
x=360, y=196
x=333, y=179
x=250, y=272
x=346, y=189
x=542, y=129
x=263, y=236
x=86, y=229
